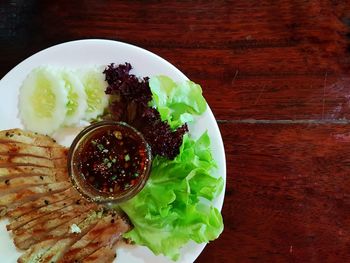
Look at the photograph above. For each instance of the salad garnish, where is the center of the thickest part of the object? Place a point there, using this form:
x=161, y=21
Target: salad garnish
x=175, y=206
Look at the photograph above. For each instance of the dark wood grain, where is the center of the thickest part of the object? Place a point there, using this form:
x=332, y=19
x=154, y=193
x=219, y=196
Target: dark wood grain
x=277, y=76
x=288, y=194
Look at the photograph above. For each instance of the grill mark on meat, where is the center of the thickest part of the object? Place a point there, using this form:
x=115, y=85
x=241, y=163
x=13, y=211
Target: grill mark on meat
x=8, y=198
x=32, y=193
x=78, y=220
x=56, y=174
x=56, y=232
x=55, y=252
x=15, y=184
x=58, y=228
x=34, y=253
x=26, y=137
x=80, y=248
x=14, y=160
x=49, y=208
x=42, y=144
x=50, y=220
x=59, y=177
x=54, y=248
x=103, y=254
x=103, y=234
x=31, y=170
x=109, y=236
x=40, y=202
x=21, y=149
x=11, y=165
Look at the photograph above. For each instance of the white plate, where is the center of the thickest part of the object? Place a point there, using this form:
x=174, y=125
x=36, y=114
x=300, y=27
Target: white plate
x=102, y=52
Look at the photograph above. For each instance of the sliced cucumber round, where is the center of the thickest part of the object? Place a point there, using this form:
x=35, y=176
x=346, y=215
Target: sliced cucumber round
x=76, y=104
x=94, y=86
x=43, y=100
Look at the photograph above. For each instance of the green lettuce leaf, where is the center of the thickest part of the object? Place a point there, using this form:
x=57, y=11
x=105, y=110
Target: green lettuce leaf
x=176, y=102
x=174, y=206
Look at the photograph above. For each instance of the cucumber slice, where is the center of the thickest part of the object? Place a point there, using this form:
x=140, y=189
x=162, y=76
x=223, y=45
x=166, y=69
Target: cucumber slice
x=76, y=105
x=42, y=101
x=94, y=86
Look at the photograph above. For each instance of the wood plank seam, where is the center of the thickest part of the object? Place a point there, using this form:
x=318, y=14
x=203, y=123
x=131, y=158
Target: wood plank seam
x=253, y=121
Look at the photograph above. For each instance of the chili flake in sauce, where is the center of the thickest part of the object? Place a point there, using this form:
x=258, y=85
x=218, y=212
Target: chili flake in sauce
x=112, y=159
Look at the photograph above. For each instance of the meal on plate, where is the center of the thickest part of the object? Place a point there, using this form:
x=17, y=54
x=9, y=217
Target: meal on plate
x=134, y=174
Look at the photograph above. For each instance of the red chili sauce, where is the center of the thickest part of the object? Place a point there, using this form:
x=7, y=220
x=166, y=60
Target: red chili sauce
x=112, y=160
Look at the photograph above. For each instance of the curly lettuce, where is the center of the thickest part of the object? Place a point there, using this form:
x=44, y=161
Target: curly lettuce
x=176, y=103
x=175, y=205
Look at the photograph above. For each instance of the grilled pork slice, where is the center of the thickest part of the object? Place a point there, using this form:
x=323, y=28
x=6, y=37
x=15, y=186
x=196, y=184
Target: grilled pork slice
x=9, y=198
x=18, y=183
x=26, y=137
x=108, y=230
x=56, y=228
x=40, y=202
x=20, y=148
x=48, y=251
x=102, y=255
x=112, y=233
x=28, y=239
x=50, y=220
x=80, y=249
x=12, y=148
x=14, y=161
x=81, y=221
x=50, y=208
x=106, y=242
x=9, y=186
x=55, y=174
x=8, y=201
x=35, y=253
x=19, y=207
x=52, y=250
x=58, y=249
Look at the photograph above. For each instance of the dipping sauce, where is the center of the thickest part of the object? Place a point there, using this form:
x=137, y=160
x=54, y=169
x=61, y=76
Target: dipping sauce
x=110, y=160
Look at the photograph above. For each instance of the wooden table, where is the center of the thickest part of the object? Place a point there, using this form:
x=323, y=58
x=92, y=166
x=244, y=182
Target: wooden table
x=276, y=75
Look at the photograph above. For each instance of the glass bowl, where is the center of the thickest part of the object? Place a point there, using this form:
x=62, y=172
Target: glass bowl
x=109, y=162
